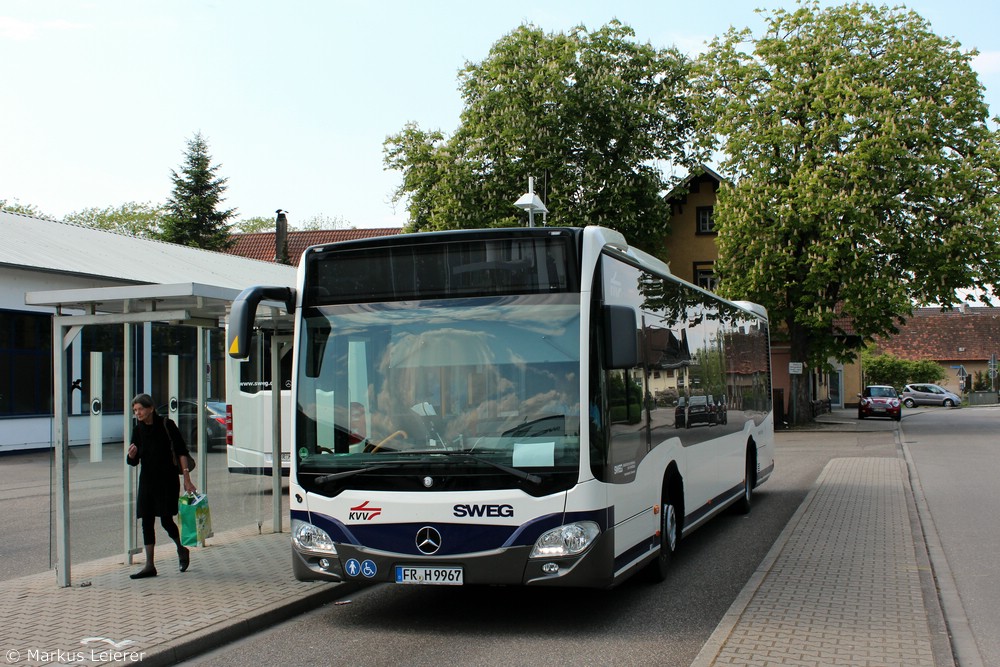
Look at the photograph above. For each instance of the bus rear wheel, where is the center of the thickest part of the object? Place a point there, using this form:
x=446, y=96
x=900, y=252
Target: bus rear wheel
x=749, y=481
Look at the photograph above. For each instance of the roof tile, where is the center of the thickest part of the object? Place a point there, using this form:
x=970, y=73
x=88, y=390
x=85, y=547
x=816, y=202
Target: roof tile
x=969, y=334
x=260, y=245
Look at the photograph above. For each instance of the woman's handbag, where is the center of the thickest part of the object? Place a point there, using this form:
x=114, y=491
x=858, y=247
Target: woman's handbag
x=173, y=450
x=195, y=518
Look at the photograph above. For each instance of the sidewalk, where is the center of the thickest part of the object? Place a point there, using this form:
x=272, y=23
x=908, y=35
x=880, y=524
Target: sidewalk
x=848, y=582
x=241, y=582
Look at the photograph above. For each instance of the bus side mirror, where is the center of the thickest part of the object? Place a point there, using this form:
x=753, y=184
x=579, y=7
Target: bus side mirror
x=621, y=342
x=244, y=312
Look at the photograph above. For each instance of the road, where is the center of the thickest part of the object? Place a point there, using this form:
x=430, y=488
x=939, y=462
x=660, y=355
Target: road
x=638, y=623
x=957, y=455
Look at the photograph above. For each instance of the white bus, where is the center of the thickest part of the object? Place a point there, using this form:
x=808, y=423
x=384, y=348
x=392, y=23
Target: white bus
x=248, y=401
x=513, y=406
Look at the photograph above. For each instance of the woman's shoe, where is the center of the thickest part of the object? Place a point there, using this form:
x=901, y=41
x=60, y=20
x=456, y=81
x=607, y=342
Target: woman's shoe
x=184, y=558
x=143, y=573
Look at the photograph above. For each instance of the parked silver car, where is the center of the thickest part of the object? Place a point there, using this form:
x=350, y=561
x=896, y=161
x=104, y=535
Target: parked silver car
x=928, y=394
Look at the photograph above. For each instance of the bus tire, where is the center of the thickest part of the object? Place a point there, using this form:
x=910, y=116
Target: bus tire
x=749, y=482
x=669, y=537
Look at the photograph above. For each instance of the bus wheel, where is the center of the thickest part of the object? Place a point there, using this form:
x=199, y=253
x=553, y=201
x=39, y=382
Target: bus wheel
x=749, y=478
x=668, y=541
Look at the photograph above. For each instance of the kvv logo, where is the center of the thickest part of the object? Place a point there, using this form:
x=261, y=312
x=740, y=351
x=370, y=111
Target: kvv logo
x=363, y=512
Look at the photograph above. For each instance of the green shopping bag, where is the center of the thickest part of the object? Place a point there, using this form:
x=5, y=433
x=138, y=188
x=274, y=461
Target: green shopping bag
x=195, y=518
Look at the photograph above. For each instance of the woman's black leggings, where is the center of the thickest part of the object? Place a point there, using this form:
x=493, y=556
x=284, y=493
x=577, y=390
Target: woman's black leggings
x=149, y=529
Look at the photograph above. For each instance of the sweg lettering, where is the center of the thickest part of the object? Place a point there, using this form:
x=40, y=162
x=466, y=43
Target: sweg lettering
x=484, y=510
x=363, y=513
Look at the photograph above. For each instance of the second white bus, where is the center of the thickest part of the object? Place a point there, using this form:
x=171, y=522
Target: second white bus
x=249, y=387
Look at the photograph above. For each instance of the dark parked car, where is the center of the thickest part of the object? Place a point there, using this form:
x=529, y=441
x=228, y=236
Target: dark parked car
x=700, y=410
x=187, y=417
x=879, y=401
x=928, y=394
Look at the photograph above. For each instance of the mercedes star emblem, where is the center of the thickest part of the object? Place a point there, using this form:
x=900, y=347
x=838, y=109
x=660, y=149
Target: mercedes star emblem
x=428, y=540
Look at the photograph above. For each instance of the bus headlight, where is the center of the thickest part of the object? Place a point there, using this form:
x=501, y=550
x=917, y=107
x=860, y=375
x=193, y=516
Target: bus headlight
x=307, y=537
x=567, y=540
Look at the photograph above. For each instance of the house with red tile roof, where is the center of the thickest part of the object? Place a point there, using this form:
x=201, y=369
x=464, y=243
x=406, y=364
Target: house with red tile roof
x=965, y=337
x=261, y=245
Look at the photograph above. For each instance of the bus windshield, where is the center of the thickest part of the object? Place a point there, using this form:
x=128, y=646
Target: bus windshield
x=481, y=390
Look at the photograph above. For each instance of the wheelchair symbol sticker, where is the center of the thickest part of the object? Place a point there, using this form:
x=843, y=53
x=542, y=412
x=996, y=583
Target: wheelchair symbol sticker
x=368, y=569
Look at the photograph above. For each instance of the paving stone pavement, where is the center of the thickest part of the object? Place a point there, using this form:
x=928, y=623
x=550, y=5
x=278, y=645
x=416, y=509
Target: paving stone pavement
x=240, y=582
x=847, y=583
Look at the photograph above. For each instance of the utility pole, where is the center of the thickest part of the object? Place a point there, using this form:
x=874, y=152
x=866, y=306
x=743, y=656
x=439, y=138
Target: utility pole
x=993, y=372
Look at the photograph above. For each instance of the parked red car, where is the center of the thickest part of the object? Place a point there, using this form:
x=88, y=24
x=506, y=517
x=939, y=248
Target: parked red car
x=879, y=401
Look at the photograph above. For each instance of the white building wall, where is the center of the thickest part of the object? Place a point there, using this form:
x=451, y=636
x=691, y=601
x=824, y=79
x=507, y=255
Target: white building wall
x=21, y=433
x=39, y=255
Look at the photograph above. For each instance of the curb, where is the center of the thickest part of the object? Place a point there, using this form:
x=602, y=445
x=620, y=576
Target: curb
x=225, y=632
x=710, y=650
x=957, y=632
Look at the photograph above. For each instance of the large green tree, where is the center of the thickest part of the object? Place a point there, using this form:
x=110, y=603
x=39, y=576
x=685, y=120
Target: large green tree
x=142, y=219
x=193, y=215
x=593, y=116
x=864, y=174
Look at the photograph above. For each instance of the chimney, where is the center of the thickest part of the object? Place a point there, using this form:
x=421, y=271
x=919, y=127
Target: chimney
x=281, y=237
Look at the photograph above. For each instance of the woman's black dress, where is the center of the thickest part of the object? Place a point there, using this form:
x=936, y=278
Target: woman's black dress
x=159, y=483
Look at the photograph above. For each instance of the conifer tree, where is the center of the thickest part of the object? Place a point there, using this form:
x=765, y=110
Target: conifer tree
x=193, y=216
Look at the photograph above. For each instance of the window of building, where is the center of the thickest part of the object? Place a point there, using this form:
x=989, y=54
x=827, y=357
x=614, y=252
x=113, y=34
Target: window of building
x=705, y=219
x=25, y=364
x=704, y=276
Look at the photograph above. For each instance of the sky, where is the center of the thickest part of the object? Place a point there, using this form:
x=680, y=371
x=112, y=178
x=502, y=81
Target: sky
x=295, y=98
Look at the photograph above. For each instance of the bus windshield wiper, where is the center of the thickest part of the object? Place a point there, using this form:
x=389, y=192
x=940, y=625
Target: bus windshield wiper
x=323, y=479
x=350, y=473
x=516, y=472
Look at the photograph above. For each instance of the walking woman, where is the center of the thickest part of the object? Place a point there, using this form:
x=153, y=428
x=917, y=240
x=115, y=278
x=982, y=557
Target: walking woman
x=154, y=443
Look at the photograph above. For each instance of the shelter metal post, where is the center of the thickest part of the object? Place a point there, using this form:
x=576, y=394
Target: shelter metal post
x=128, y=472
x=62, y=337
x=201, y=396
x=276, y=462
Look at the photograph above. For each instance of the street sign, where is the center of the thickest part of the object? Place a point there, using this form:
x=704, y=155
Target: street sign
x=795, y=368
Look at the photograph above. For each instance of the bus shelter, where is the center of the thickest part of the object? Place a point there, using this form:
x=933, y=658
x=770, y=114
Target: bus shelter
x=185, y=304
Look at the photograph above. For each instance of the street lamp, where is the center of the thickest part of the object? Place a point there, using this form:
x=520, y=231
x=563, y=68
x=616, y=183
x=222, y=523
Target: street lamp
x=530, y=202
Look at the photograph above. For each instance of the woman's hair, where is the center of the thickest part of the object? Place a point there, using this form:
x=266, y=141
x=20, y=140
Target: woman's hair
x=145, y=400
